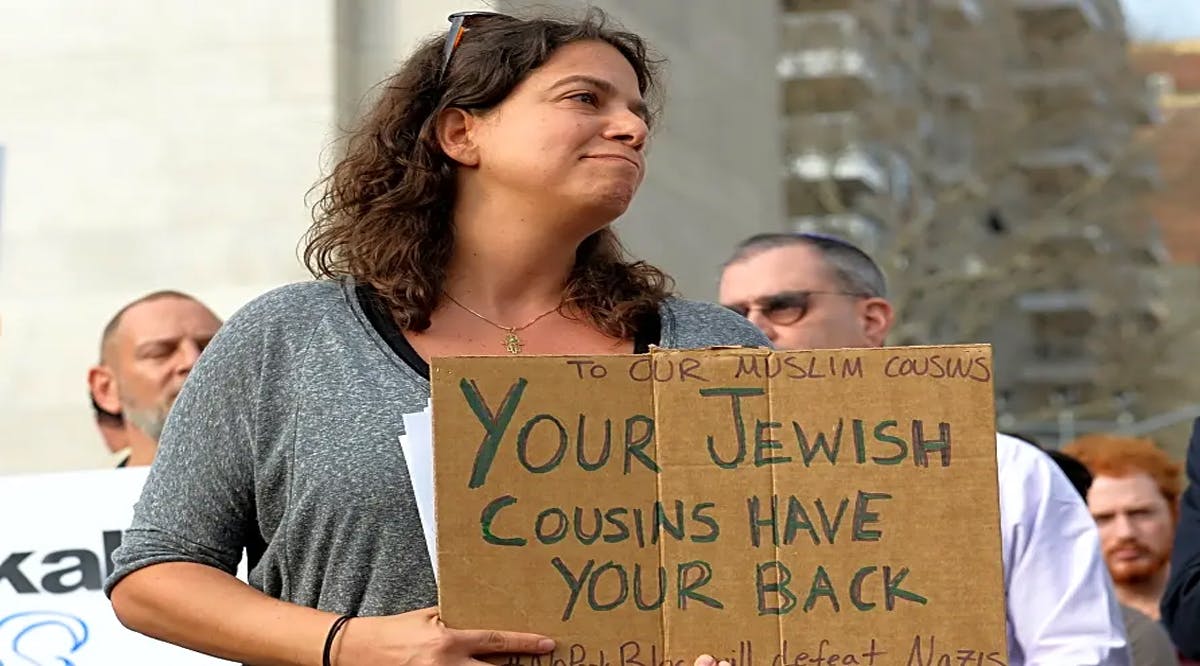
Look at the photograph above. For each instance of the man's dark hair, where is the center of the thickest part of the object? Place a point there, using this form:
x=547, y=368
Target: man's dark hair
x=855, y=270
x=1077, y=473
x=105, y=417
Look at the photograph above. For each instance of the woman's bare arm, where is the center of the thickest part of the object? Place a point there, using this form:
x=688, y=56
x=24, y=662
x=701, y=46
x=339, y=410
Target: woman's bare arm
x=205, y=609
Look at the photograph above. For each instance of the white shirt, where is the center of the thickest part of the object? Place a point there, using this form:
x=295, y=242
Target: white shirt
x=1061, y=606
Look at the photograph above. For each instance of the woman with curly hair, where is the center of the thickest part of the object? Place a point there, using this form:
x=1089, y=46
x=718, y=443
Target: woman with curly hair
x=470, y=216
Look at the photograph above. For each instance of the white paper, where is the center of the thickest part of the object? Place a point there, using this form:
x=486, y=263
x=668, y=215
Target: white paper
x=417, y=445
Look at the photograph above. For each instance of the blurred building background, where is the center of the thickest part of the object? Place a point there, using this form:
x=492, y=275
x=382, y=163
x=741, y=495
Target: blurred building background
x=999, y=156
x=147, y=146
x=1173, y=69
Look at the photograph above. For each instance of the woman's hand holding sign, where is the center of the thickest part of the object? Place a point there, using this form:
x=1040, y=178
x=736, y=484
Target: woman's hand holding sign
x=419, y=638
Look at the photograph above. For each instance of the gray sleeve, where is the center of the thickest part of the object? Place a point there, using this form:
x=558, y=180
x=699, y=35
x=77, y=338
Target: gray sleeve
x=1148, y=640
x=198, y=501
x=696, y=325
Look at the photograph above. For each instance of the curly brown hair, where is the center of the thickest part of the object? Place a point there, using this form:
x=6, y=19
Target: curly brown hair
x=385, y=216
x=1116, y=455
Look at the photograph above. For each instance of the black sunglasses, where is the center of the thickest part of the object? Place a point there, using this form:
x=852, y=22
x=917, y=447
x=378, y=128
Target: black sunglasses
x=459, y=25
x=787, y=307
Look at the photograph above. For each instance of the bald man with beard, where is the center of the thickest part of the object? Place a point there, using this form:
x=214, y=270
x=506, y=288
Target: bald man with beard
x=146, y=352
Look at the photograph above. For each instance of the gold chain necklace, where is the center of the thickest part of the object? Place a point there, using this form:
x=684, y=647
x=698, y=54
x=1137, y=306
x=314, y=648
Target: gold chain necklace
x=511, y=342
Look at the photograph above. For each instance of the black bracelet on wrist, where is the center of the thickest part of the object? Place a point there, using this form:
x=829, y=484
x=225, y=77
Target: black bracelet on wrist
x=326, y=656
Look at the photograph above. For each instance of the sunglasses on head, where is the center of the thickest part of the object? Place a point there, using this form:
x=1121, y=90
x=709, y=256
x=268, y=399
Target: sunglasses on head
x=787, y=307
x=460, y=23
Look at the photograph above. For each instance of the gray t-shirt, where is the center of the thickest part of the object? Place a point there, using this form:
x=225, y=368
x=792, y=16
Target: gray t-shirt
x=1148, y=640
x=285, y=442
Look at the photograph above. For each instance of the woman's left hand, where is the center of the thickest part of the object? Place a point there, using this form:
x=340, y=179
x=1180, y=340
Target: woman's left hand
x=707, y=660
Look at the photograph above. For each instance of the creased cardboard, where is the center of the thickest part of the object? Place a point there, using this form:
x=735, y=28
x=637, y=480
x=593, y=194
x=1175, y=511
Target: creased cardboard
x=770, y=508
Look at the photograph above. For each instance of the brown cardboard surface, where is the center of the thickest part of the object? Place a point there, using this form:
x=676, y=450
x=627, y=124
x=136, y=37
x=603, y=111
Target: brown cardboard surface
x=885, y=546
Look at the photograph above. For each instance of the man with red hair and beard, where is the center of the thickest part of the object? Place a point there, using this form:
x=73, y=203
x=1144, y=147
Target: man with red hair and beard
x=1135, y=500
x=1134, y=497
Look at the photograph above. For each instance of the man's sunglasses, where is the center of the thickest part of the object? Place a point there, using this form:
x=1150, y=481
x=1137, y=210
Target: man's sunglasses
x=787, y=307
x=460, y=23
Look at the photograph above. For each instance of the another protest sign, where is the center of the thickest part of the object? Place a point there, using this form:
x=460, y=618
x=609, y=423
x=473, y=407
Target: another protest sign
x=59, y=533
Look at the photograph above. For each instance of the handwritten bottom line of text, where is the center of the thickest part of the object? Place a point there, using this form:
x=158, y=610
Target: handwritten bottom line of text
x=920, y=651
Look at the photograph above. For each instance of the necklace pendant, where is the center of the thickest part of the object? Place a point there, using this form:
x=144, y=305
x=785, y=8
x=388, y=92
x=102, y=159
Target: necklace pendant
x=512, y=343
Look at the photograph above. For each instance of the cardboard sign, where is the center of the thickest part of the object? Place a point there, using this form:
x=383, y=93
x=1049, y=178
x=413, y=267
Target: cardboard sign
x=770, y=508
x=59, y=532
